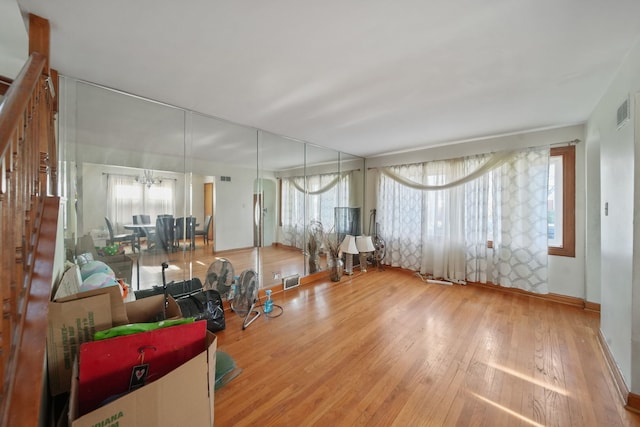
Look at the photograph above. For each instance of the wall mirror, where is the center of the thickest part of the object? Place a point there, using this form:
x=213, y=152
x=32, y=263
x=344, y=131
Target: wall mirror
x=133, y=160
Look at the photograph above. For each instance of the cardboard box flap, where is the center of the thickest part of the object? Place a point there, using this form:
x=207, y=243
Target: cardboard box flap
x=68, y=284
x=118, y=312
x=70, y=324
x=150, y=309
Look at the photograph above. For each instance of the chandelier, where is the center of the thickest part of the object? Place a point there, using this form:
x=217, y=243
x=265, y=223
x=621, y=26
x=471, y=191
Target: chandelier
x=147, y=178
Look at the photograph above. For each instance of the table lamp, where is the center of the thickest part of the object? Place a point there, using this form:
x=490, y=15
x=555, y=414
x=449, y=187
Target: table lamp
x=364, y=245
x=348, y=246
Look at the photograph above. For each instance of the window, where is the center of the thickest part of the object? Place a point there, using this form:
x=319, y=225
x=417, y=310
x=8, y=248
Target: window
x=561, y=201
x=127, y=197
x=311, y=198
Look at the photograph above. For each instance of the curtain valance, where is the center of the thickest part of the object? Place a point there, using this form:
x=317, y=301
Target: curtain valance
x=495, y=161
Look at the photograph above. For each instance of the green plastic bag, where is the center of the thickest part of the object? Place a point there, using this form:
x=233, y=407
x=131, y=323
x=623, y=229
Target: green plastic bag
x=134, y=328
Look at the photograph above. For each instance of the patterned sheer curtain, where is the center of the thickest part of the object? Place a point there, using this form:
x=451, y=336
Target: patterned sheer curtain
x=444, y=230
x=292, y=212
x=324, y=191
x=513, y=215
x=423, y=230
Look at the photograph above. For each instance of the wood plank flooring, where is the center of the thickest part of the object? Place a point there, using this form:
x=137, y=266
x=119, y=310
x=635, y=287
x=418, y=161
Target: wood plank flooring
x=275, y=262
x=383, y=348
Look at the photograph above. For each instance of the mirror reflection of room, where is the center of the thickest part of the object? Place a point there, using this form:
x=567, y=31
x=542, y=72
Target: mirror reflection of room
x=152, y=183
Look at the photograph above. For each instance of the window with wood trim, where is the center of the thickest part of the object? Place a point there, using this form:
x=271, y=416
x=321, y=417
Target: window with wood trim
x=562, y=201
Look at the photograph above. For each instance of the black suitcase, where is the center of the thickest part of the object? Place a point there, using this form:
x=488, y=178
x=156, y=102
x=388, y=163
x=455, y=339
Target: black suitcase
x=174, y=289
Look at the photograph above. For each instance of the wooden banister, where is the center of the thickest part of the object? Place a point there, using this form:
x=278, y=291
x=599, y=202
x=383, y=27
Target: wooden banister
x=28, y=228
x=26, y=382
x=5, y=82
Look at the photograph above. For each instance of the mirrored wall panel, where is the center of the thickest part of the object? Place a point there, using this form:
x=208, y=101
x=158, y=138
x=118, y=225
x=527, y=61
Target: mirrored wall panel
x=163, y=194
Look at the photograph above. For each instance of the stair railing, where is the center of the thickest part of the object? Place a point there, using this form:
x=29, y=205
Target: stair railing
x=28, y=229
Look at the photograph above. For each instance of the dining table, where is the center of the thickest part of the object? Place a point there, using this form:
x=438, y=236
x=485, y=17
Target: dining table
x=148, y=228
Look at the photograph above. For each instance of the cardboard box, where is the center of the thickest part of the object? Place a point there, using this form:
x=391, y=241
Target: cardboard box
x=112, y=367
x=151, y=309
x=183, y=397
x=74, y=320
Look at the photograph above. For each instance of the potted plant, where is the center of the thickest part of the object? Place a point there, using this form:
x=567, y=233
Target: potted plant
x=315, y=238
x=334, y=263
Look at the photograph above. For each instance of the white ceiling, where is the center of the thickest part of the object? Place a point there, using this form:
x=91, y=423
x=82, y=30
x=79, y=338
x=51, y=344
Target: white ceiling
x=362, y=76
x=14, y=43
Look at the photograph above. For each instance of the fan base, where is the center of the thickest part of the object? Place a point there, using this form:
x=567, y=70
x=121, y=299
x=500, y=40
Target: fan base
x=249, y=318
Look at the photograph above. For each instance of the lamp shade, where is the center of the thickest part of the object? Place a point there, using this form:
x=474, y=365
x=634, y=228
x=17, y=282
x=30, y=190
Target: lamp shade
x=364, y=244
x=348, y=245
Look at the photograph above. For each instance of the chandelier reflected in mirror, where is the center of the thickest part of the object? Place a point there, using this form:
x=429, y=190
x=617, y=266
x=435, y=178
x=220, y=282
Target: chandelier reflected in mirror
x=148, y=179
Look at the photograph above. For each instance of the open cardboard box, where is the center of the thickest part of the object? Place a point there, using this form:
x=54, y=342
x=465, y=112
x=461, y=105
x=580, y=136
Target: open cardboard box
x=76, y=318
x=183, y=397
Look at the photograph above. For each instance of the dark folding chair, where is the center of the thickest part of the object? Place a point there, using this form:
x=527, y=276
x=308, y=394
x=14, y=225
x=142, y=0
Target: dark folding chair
x=205, y=231
x=121, y=238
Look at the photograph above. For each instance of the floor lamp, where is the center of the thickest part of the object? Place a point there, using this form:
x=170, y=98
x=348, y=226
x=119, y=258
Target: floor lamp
x=348, y=247
x=364, y=244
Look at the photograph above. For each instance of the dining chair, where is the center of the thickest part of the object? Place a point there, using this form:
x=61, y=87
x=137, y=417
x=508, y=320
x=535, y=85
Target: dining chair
x=148, y=233
x=205, y=231
x=165, y=233
x=121, y=238
x=185, y=229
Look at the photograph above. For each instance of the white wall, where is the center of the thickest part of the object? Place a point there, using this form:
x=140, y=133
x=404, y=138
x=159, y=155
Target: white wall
x=14, y=41
x=619, y=240
x=566, y=275
x=233, y=204
x=593, y=208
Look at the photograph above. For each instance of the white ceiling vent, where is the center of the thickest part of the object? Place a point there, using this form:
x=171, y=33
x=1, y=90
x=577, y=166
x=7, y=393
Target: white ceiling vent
x=623, y=113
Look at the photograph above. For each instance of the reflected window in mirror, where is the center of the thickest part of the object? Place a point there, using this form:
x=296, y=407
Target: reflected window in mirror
x=128, y=196
x=325, y=192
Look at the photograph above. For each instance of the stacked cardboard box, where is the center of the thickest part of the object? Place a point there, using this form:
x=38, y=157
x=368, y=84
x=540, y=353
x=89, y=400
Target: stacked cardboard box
x=185, y=393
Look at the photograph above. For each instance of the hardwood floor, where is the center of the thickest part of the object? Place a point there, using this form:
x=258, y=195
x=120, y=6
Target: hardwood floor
x=384, y=348
x=276, y=262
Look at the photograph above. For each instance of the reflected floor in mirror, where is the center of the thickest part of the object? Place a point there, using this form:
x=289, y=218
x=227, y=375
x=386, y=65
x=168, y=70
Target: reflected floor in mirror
x=276, y=262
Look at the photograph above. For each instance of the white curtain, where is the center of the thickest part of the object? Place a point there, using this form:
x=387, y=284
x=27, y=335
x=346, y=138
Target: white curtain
x=124, y=199
x=443, y=230
x=324, y=192
x=159, y=199
x=514, y=218
x=127, y=197
x=292, y=212
x=423, y=230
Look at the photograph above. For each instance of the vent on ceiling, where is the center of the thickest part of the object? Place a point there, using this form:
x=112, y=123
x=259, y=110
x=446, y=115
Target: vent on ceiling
x=291, y=281
x=622, y=115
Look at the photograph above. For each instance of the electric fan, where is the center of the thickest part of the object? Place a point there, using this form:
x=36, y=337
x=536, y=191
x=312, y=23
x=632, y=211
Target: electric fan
x=219, y=277
x=245, y=297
